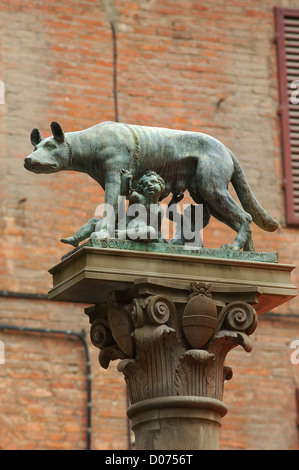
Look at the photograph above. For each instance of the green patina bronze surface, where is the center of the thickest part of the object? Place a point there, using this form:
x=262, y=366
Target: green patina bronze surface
x=115, y=244
x=187, y=161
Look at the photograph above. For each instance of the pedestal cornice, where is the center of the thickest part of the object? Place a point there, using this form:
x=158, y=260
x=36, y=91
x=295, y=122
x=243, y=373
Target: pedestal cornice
x=77, y=278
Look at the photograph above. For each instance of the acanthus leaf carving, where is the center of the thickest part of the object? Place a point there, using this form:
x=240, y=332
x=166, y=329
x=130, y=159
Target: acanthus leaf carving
x=135, y=376
x=108, y=354
x=230, y=339
x=149, y=334
x=192, y=372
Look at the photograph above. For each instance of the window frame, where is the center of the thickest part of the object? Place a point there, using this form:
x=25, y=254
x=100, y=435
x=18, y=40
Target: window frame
x=280, y=14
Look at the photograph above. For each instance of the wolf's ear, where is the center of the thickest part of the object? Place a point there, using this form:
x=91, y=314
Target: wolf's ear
x=35, y=137
x=57, y=131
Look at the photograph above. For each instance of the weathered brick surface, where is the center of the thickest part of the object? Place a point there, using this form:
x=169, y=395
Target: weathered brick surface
x=261, y=395
x=43, y=383
x=184, y=64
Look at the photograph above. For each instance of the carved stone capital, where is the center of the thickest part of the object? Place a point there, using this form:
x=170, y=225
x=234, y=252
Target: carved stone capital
x=173, y=343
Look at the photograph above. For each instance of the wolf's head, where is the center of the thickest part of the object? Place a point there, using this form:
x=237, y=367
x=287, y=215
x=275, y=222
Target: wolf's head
x=50, y=154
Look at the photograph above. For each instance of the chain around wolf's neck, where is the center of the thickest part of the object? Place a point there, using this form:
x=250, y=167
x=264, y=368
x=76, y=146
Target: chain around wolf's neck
x=70, y=151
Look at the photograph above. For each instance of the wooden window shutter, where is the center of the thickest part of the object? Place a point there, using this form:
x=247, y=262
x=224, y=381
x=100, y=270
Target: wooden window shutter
x=287, y=33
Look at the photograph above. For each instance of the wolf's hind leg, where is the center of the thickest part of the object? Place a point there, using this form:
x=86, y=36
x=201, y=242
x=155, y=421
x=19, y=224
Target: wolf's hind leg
x=224, y=208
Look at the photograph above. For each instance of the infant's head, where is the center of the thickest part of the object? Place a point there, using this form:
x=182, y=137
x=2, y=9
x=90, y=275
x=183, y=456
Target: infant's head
x=149, y=180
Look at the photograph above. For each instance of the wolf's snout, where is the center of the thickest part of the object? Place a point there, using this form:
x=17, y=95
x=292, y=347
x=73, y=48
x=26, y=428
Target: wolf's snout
x=27, y=162
x=32, y=164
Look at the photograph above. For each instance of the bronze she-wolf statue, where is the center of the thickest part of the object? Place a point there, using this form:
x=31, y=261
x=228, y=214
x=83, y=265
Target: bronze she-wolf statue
x=185, y=160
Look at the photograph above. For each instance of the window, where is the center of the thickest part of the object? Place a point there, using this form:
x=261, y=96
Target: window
x=287, y=33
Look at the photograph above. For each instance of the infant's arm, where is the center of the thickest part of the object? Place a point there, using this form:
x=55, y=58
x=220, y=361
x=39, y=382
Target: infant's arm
x=126, y=182
x=136, y=198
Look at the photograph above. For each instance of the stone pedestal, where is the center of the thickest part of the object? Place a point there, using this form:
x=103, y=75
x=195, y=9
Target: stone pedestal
x=171, y=320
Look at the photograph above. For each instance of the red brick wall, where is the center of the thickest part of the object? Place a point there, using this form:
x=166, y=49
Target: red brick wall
x=183, y=64
x=261, y=395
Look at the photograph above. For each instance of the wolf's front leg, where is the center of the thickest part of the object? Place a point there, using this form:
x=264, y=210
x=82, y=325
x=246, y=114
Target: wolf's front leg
x=112, y=192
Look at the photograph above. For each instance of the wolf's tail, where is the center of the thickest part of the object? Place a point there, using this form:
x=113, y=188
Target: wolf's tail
x=248, y=200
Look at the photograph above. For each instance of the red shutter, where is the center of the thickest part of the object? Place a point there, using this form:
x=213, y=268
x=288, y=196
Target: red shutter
x=287, y=31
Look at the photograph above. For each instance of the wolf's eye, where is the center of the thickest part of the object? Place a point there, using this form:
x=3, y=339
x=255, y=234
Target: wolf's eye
x=50, y=145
